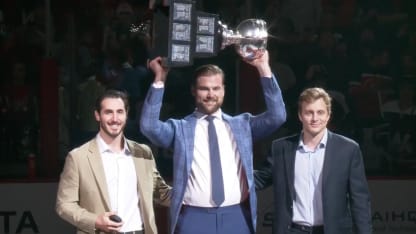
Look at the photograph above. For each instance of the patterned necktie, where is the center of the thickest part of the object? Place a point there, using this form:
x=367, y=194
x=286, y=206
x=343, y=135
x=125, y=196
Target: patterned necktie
x=216, y=171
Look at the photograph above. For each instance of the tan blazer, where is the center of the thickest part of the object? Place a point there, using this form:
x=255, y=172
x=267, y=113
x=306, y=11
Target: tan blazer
x=83, y=194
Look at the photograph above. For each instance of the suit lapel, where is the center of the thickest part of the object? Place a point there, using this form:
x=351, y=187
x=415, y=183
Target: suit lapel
x=327, y=159
x=290, y=163
x=188, y=138
x=241, y=145
x=97, y=168
x=140, y=168
x=235, y=129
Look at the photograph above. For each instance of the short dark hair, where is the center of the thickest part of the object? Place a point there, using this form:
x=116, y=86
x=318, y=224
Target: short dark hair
x=113, y=93
x=207, y=70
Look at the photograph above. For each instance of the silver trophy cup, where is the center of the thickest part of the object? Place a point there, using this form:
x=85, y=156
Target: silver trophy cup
x=249, y=38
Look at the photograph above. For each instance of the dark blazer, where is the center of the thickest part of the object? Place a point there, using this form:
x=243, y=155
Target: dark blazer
x=179, y=135
x=345, y=194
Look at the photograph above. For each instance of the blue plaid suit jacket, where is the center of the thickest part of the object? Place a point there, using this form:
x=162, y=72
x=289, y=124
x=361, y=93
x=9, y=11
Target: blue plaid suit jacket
x=178, y=134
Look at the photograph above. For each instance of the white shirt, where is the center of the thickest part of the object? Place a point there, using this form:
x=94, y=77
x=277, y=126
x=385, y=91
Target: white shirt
x=198, y=190
x=121, y=181
x=307, y=204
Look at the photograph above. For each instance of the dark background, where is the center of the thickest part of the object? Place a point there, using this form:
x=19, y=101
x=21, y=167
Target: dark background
x=57, y=56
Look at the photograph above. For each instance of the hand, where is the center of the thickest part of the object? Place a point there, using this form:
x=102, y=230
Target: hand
x=158, y=69
x=261, y=62
x=104, y=223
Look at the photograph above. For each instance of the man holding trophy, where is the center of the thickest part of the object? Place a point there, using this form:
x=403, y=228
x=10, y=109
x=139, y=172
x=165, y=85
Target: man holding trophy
x=213, y=187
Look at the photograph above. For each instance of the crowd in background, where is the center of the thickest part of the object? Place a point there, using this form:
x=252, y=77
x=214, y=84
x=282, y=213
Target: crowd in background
x=361, y=51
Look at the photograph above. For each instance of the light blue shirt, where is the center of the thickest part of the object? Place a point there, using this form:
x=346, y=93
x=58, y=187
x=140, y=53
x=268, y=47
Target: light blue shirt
x=307, y=204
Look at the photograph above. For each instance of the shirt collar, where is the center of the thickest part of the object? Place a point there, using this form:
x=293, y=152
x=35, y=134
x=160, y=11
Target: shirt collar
x=217, y=114
x=322, y=143
x=103, y=147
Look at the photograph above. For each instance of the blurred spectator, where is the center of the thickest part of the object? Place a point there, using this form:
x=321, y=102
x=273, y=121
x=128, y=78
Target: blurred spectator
x=344, y=10
x=89, y=50
x=133, y=76
x=230, y=12
x=287, y=78
x=364, y=100
x=124, y=17
x=329, y=63
x=305, y=14
x=405, y=102
x=400, y=116
x=88, y=91
x=407, y=66
x=20, y=111
x=358, y=50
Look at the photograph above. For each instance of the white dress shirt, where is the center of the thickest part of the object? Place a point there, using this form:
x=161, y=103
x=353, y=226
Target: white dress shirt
x=121, y=181
x=198, y=190
x=307, y=205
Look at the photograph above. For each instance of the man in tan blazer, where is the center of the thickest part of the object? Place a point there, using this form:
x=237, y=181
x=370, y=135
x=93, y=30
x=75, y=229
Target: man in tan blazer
x=111, y=175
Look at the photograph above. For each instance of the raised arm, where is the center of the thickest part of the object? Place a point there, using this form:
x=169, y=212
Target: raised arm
x=158, y=132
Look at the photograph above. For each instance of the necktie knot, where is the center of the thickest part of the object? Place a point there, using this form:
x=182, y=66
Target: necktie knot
x=210, y=118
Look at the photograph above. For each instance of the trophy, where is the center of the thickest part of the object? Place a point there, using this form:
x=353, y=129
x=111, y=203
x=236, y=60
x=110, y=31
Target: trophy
x=249, y=38
x=185, y=34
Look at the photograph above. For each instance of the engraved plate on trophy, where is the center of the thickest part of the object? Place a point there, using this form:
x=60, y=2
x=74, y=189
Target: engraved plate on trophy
x=182, y=11
x=181, y=32
x=206, y=24
x=180, y=53
x=204, y=44
x=207, y=37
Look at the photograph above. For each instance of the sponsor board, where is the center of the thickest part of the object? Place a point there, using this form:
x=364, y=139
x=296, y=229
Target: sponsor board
x=392, y=201
x=28, y=208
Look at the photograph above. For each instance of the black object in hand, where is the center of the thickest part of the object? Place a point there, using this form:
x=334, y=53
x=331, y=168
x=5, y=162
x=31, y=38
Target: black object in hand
x=115, y=218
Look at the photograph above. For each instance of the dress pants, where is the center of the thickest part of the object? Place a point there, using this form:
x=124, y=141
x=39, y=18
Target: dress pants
x=233, y=219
